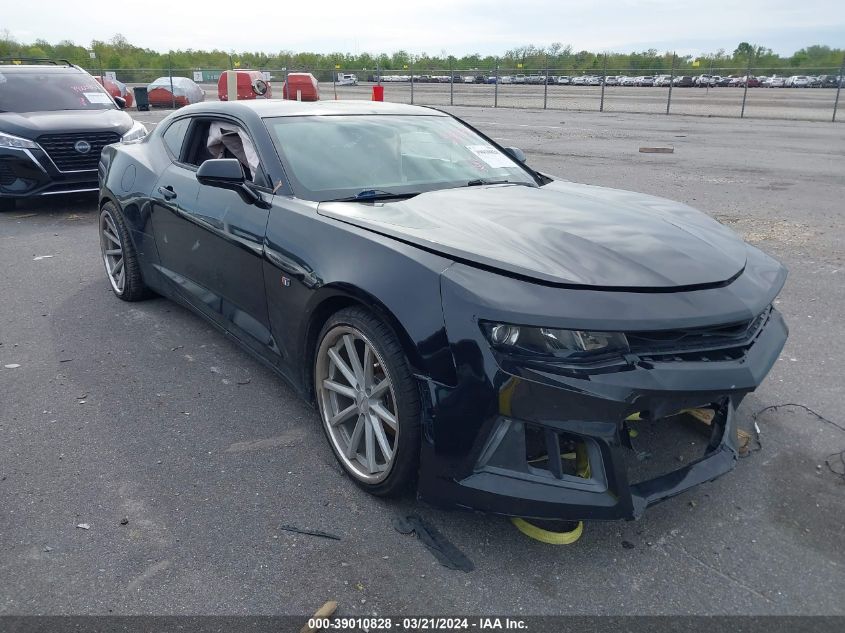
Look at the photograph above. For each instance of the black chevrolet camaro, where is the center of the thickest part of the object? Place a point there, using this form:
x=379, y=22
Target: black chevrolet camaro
x=503, y=340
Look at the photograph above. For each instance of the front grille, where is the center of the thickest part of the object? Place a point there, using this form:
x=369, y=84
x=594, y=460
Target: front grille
x=61, y=149
x=723, y=342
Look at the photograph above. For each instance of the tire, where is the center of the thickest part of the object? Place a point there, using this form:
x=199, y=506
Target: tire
x=365, y=426
x=7, y=204
x=119, y=256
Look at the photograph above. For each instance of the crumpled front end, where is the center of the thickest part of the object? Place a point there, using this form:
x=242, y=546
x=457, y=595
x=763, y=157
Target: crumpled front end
x=550, y=440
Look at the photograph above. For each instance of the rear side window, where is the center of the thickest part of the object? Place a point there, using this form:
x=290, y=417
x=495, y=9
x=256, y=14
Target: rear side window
x=174, y=136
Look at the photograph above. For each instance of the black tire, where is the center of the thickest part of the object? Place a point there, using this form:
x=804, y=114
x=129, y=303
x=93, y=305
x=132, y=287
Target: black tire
x=403, y=471
x=134, y=288
x=7, y=204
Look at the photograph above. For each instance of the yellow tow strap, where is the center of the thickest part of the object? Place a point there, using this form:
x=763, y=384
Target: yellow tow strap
x=547, y=536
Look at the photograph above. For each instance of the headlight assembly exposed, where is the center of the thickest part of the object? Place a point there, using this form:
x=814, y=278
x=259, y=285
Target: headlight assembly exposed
x=136, y=132
x=552, y=342
x=16, y=142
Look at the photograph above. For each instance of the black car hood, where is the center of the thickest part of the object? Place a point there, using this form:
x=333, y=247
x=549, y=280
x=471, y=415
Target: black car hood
x=31, y=125
x=562, y=233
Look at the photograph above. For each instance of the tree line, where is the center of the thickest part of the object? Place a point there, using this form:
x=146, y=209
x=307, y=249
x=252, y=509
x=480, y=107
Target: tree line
x=118, y=53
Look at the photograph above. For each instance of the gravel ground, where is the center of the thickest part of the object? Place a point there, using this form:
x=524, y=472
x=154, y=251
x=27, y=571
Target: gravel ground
x=142, y=412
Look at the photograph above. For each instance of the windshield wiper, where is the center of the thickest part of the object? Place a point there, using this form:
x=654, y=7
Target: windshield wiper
x=375, y=194
x=492, y=181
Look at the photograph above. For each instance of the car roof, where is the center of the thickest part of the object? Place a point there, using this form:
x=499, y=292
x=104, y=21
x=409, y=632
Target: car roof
x=40, y=68
x=266, y=108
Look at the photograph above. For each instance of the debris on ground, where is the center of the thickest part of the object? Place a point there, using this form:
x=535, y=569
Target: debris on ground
x=11, y=366
x=835, y=462
x=320, y=533
x=83, y=526
x=326, y=611
x=446, y=554
x=40, y=257
x=657, y=150
x=124, y=521
x=173, y=349
x=627, y=545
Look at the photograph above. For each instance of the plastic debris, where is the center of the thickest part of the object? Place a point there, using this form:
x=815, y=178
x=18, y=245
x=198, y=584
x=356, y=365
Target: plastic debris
x=83, y=526
x=40, y=257
x=320, y=533
x=446, y=554
x=657, y=150
x=11, y=366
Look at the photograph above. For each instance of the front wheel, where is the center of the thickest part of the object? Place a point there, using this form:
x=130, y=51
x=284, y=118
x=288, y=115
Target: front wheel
x=119, y=256
x=368, y=401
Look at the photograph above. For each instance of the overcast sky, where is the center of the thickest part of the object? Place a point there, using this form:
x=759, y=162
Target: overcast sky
x=432, y=26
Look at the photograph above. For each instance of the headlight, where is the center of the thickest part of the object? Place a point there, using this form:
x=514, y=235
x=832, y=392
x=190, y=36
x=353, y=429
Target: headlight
x=7, y=140
x=137, y=131
x=551, y=342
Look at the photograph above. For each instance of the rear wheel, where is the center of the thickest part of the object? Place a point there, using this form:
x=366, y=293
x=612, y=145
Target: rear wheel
x=119, y=256
x=368, y=401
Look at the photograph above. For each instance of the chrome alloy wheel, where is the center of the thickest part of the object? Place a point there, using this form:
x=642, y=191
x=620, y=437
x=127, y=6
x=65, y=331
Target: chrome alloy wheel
x=112, y=250
x=357, y=403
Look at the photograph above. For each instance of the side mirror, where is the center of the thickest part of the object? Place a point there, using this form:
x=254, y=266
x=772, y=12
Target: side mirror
x=121, y=102
x=227, y=173
x=259, y=87
x=516, y=153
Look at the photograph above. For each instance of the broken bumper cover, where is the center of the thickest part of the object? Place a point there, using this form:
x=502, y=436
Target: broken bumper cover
x=483, y=438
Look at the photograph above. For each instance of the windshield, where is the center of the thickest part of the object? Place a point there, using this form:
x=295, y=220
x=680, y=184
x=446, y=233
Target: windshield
x=40, y=91
x=331, y=157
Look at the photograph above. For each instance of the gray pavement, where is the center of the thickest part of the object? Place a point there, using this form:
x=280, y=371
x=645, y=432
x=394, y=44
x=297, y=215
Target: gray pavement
x=142, y=411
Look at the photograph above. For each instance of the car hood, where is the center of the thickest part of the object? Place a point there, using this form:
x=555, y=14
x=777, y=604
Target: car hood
x=31, y=125
x=562, y=233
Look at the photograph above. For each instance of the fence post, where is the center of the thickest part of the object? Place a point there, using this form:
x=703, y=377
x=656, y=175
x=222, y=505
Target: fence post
x=451, y=83
x=671, y=81
x=411, y=65
x=838, y=89
x=745, y=92
x=603, y=81
x=496, y=88
x=334, y=81
x=287, y=66
x=169, y=74
x=378, y=72
x=546, y=86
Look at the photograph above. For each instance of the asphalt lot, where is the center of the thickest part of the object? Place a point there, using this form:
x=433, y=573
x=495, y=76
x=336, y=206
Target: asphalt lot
x=143, y=411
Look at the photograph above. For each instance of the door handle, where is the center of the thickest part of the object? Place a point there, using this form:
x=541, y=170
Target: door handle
x=167, y=192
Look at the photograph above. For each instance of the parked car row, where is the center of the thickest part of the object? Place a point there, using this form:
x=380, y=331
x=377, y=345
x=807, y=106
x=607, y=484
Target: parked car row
x=662, y=81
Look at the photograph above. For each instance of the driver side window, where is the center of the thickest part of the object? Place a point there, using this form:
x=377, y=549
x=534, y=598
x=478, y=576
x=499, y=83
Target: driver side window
x=218, y=138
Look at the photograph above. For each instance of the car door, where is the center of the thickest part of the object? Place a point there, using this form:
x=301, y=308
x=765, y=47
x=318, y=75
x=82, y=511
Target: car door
x=211, y=242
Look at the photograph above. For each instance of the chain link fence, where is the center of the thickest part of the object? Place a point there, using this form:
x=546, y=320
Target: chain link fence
x=756, y=92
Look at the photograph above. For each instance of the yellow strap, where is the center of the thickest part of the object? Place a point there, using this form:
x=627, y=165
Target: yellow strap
x=547, y=536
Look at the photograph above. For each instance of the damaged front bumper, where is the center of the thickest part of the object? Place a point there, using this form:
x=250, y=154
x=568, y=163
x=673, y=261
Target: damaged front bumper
x=551, y=443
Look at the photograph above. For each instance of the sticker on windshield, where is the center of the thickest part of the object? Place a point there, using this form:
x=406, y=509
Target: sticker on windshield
x=97, y=97
x=490, y=155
